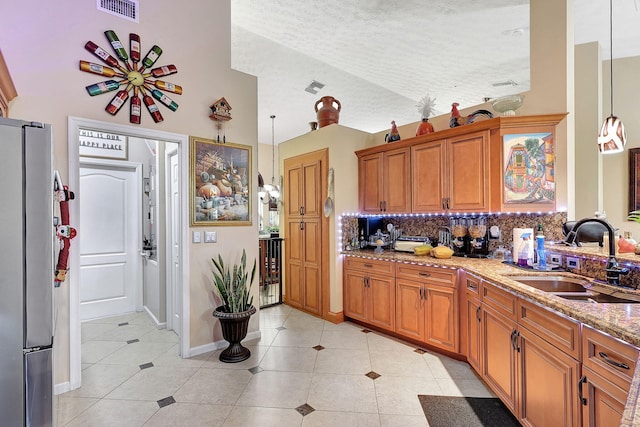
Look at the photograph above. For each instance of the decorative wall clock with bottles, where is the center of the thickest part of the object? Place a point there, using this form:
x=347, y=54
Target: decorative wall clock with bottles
x=131, y=76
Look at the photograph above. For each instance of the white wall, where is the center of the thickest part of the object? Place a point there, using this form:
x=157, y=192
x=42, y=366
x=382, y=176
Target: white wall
x=42, y=42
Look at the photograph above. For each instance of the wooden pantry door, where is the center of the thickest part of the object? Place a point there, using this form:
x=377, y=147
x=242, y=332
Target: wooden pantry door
x=306, y=232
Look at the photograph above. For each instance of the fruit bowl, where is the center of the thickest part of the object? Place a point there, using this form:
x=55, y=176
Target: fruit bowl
x=507, y=105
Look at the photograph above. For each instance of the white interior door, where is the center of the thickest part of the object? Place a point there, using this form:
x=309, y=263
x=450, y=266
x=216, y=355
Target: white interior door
x=110, y=219
x=173, y=225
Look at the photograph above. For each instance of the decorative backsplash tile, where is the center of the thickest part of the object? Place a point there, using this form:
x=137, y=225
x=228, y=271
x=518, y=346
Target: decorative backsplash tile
x=430, y=225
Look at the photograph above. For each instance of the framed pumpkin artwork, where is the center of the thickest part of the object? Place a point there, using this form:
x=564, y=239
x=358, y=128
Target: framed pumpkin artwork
x=219, y=183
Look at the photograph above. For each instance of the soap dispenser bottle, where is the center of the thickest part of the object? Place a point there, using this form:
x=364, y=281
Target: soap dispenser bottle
x=540, y=251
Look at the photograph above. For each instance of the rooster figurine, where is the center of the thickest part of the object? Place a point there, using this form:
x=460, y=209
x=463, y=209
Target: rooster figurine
x=393, y=134
x=457, y=120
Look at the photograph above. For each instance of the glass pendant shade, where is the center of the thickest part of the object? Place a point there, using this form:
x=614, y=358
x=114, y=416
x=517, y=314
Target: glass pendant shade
x=612, y=136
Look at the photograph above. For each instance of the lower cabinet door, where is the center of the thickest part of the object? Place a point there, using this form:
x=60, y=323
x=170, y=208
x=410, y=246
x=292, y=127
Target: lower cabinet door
x=474, y=334
x=499, y=356
x=603, y=402
x=409, y=309
x=547, y=380
x=441, y=317
x=354, y=295
x=382, y=302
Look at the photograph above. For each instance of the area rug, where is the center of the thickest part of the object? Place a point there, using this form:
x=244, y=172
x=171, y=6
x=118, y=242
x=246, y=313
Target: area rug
x=448, y=411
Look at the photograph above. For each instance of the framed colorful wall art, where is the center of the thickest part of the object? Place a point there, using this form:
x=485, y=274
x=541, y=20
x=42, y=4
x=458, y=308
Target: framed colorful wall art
x=219, y=183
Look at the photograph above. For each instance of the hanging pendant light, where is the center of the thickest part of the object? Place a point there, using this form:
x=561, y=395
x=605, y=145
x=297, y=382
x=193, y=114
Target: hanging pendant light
x=612, y=136
x=273, y=188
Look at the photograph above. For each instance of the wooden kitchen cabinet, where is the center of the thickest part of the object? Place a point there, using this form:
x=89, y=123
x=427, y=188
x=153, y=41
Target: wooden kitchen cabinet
x=452, y=174
x=530, y=358
x=369, y=292
x=427, y=305
x=547, y=378
x=384, y=182
x=473, y=322
x=498, y=355
x=608, y=368
x=305, y=227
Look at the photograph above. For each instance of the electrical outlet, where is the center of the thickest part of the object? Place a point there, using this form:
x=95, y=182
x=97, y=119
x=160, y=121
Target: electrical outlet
x=555, y=259
x=573, y=262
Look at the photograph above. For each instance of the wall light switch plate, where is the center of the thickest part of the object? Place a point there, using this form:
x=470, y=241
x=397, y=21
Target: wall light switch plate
x=196, y=236
x=573, y=262
x=210, y=236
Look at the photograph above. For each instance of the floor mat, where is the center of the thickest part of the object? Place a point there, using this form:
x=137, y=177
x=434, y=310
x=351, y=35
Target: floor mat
x=448, y=411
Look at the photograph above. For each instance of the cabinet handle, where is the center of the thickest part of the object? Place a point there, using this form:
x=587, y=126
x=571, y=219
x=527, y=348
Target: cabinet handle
x=425, y=293
x=385, y=205
x=380, y=206
x=447, y=199
x=472, y=286
x=368, y=265
x=583, y=399
x=301, y=210
x=513, y=339
x=301, y=225
x=421, y=296
x=478, y=314
x=604, y=356
x=443, y=205
x=424, y=274
x=364, y=281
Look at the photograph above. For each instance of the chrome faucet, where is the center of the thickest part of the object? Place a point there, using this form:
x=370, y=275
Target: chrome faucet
x=613, y=269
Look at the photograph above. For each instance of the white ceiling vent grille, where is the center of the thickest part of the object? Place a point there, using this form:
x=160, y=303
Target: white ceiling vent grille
x=127, y=9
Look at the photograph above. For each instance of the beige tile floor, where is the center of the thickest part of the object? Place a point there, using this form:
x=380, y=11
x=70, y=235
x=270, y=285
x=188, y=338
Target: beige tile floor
x=287, y=373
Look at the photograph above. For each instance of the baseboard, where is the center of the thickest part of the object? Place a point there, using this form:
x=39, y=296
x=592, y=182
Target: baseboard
x=154, y=319
x=335, y=317
x=217, y=345
x=61, y=388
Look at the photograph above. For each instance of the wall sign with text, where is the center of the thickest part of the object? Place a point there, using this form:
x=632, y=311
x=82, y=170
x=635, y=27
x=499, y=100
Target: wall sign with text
x=102, y=144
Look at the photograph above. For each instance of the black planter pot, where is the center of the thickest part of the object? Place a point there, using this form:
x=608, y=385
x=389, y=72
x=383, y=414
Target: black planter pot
x=234, y=330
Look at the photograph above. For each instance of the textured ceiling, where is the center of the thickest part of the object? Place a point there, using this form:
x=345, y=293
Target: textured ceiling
x=379, y=58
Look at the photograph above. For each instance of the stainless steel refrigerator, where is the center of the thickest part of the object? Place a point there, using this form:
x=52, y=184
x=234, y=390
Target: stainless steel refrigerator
x=26, y=274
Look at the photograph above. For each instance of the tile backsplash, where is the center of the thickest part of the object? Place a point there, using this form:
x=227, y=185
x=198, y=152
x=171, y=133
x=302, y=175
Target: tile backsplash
x=417, y=225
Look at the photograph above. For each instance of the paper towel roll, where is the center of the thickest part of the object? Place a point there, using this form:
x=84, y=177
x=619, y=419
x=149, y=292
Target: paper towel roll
x=521, y=244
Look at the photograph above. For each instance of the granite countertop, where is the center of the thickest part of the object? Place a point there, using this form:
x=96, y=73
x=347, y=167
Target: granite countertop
x=619, y=320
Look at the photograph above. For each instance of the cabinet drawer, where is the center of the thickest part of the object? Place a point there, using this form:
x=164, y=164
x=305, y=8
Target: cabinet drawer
x=473, y=285
x=610, y=357
x=440, y=276
x=369, y=265
x=560, y=331
x=499, y=299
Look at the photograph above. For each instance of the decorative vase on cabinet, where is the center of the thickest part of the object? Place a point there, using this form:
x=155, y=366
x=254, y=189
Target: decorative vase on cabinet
x=328, y=114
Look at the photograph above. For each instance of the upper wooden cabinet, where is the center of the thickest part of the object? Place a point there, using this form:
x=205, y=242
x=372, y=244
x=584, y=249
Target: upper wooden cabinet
x=451, y=175
x=504, y=164
x=7, y=89
x=384, y=182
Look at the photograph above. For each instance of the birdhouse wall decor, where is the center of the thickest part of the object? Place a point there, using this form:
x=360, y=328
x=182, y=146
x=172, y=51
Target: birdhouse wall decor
x=220, y=113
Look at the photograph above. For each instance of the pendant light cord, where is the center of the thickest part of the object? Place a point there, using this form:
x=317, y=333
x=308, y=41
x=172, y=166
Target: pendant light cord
x=611, y=50
x=273, y=152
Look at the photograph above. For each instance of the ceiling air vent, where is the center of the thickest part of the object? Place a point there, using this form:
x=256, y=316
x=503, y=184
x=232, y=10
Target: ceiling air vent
x=504, y=83
x=127, y=9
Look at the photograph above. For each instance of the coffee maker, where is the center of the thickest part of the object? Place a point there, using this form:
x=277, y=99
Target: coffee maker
x=469, y=237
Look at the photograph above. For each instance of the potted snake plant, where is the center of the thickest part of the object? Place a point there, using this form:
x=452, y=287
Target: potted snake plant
x=233, y=286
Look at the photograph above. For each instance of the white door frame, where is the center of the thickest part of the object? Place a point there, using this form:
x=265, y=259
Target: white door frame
x=73, y=125
x=137, y=168
x=171, y=291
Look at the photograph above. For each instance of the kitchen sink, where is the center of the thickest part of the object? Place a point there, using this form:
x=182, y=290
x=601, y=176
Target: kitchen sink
x=553, y=283
x=577, y=289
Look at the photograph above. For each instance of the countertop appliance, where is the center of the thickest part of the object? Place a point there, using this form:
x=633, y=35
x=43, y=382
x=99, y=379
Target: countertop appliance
x=407, y=243
x=26, y=262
